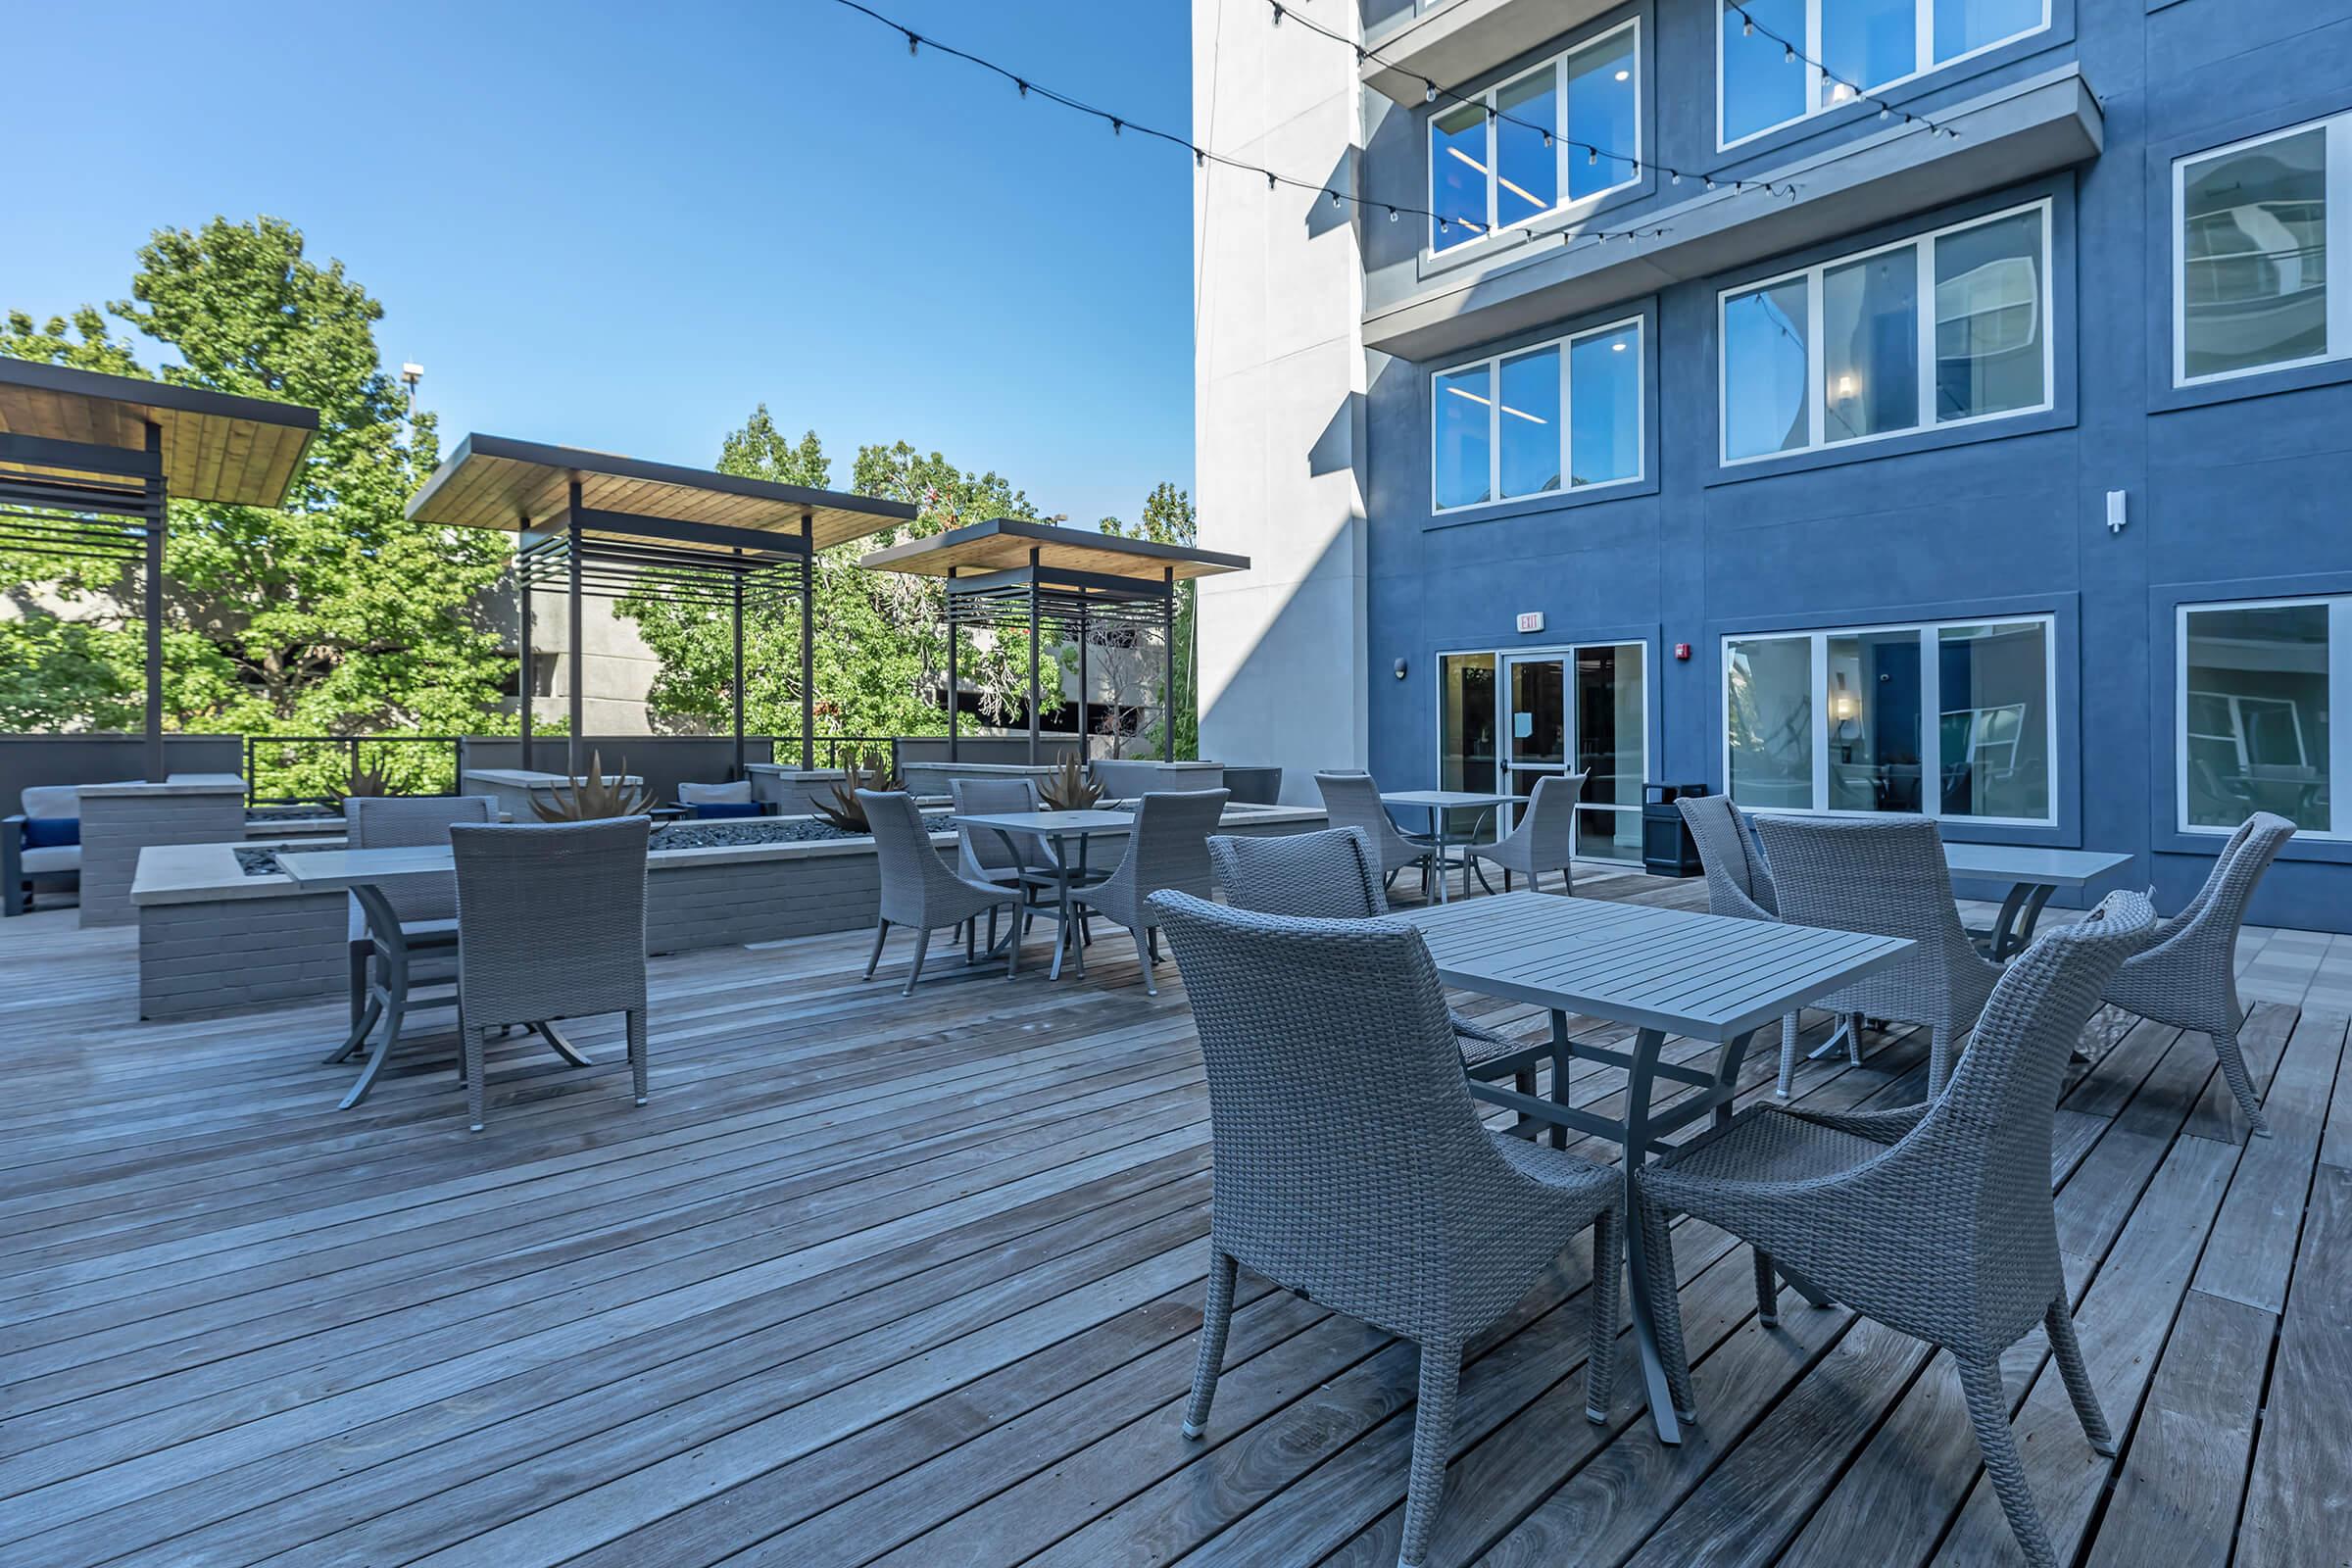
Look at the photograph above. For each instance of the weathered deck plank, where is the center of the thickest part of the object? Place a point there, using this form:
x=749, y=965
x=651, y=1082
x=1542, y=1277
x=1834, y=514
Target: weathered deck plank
x=912, y=1282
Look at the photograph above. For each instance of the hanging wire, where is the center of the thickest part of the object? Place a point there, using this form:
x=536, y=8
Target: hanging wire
x=1203, y=157
x=1431, y=92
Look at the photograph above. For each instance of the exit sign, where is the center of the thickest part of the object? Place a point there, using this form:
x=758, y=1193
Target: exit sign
x=1531, y=620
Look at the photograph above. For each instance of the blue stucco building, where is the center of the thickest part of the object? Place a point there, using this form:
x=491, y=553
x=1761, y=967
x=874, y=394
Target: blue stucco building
x=1927, y=405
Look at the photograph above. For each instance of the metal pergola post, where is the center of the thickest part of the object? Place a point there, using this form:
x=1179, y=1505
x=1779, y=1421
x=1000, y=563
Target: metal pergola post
x=738, y=686
x=1083, y=738
x=522, y=617
x=1167, y=637
x=807, y=642
x=1033, y=688
x=579, y=662
x=157, y=518
x=954, y=697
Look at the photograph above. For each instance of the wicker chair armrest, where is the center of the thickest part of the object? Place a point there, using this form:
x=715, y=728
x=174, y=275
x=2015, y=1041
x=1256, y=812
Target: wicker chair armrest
x=1889, y=1127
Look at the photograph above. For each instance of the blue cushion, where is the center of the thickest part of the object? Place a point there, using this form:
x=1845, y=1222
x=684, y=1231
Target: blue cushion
x=52, y=832
x=709, y=808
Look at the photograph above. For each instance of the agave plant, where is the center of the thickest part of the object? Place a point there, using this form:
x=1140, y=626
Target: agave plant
x=365, y=783
x=1069, y=789
x=591, y=799
x=848, y=811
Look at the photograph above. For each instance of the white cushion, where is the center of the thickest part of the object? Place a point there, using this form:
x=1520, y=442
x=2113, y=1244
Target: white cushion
x=738, y=793
x=51, y=862
x=53, y=801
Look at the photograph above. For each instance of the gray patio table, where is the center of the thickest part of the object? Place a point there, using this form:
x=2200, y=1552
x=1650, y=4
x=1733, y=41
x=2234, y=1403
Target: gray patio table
x=361, y=874
x=1439, y=805
x=1057, y=828
x=1663, y=972
x=2033, y=876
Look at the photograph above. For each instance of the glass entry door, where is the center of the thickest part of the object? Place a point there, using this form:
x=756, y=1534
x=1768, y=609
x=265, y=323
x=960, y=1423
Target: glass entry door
x=1582, y=709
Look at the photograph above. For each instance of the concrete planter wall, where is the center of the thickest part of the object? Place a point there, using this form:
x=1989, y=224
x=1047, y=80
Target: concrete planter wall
x=120, y=822
x=213, y=940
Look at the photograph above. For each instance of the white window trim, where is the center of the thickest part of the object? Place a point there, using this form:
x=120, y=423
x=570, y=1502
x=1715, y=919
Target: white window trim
x=1492, y=364
x=1924, y=49
x=1557, y=65
x=1503, y=657
x=1816, y=398
x=2339, y=734
x=1931, y=680
x=2339, y=250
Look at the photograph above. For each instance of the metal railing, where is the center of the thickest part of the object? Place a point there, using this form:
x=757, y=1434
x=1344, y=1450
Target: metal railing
x=335, y=766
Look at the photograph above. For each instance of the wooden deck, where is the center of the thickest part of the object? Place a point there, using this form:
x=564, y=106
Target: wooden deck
x=915, y=1282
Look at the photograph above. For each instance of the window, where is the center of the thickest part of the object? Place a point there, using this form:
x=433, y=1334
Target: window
x=1845, y=720
x=1565, y=132
x=1564, y=415
x=2252, y=258
x=1765, y=77
x=1846, y=351
x=2257, y=688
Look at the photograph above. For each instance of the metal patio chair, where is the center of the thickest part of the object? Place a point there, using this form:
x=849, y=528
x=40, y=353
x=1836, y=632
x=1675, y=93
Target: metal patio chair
x=1545, y=839
x=394, y=926
x=1886, y=878
x=1352, y=800
x=550, y=924
x=1167, y=848
x=920, y=891
x=1351, y=1165
x=2187, y=978
x=1937, y=1219
x=1329, y=875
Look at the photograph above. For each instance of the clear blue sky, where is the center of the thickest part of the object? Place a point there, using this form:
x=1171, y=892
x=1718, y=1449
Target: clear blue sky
x=622, y=225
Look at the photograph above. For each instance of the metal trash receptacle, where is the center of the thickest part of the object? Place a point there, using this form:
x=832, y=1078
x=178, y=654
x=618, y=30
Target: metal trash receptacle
x=1667, y=848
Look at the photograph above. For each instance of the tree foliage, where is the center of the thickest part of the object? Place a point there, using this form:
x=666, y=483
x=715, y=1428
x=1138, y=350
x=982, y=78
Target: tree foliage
x=881, y=640
x=332, y=616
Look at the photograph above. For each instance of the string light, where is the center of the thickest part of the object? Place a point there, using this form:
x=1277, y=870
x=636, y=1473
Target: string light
x=1203, y=157
x=1430, y=91
x=1791, y=54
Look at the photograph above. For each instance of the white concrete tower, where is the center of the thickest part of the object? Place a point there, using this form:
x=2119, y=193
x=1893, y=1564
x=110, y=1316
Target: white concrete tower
x=1278, y=384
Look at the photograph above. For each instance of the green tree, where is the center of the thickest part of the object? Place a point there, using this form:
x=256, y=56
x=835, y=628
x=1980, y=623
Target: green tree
x=1170, y=519
x=334, y=616
x=881, y=643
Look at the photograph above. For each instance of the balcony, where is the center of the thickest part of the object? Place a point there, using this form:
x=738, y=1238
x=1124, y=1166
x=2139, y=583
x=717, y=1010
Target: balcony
x=2036, y=126
x=1459, y=39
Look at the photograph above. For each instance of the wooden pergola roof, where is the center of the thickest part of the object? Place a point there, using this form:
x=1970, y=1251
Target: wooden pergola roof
x=1004, y=544
x=216, y=447
x=495, y=482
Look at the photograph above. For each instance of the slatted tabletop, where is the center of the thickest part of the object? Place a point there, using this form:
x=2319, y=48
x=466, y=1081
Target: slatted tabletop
x=1706, y=976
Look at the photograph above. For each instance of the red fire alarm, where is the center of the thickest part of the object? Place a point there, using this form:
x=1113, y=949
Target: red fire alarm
x=1682, y=649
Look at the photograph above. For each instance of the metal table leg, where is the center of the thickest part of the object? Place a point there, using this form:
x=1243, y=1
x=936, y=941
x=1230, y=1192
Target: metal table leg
x=2015, y=935
x=1635, y=1147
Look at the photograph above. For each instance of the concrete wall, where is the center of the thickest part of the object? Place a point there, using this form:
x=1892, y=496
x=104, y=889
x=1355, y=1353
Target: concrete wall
x=1279, y=381
x=2230, y=493
x=116, y=827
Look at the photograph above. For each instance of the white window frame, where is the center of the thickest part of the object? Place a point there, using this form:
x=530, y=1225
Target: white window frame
x=2339, y=250
x=2339, y=727
x=1816, y=395
x=1492, y=364
x=1561, y=206
x=1925, y=63
x=1931, y=709
x=1503, y=657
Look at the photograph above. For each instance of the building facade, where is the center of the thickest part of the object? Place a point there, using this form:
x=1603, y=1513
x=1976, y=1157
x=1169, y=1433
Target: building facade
x=1939, y=407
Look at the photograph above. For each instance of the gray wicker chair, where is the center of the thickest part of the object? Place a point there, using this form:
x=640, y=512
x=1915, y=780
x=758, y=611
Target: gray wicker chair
x=1167, y=848
x=550, y=924
x=1886, y=877
x=1351, y=1165
x=1545, y=839
x=1935, y=1220
x=1352, y=800
x=1739, y=888
x=1329, y=875
x=2187, y=978
x=920, y=893
x=400, y=922
x=1739, y=884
